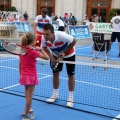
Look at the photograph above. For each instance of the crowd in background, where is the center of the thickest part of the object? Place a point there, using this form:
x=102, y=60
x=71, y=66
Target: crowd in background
x=94, y=18
x=17, y=17
x=67, y=19
x=13, y=17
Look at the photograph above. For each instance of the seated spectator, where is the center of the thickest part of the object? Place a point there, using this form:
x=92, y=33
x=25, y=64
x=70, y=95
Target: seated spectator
x=66, y=15
x=10, y=18
x=5, y=20
x=53, y=17
x=73, y=20
x=101, y=19
x=0, y=19
x=85, y=20
x=70, y=16
x=25, y=16
x=96, y=18
x=21, y=19
x=56, y=17
x=61, y=18
x=17, y=17
x=65, y=20
x=92, y=19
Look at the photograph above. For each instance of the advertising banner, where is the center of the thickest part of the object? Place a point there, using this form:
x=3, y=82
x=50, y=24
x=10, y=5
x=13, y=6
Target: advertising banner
x=21, y=26
x=79, y=32
x=99, y=27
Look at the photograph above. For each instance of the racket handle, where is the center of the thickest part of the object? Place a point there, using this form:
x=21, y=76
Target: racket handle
x=65, y=52
x=55, y=66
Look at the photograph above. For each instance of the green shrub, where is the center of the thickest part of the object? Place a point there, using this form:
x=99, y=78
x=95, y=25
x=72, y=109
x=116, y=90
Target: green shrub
x=12, y=8
x=112, y=14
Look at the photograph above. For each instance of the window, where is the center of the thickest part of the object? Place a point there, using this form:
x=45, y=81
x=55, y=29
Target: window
x=100, y=2
x=4, y=1
x=47, y=2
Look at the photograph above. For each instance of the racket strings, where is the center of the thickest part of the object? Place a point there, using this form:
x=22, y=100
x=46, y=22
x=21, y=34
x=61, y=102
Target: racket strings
x=14, y=48
x=10, y=46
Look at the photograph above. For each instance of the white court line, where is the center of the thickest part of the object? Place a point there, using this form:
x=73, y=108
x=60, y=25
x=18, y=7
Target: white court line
x=95, y=84
x=19, y=84
x=44, y=77
x=116, y=117
x=43, y=74
x=86, y=55
x=18, y=69
x=78, y=81
x=6, y=60
x=66, y=78
x=3, y=60
x=112, y=58
x=9, y=87
x=83, y=47
x=9, y=67
x=91, y=48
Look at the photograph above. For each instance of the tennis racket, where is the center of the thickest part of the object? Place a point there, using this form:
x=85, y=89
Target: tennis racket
x=54, y=60
x=14, y=48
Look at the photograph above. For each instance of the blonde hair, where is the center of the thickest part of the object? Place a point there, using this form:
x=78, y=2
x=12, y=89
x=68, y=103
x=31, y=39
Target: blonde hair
x=27, y=39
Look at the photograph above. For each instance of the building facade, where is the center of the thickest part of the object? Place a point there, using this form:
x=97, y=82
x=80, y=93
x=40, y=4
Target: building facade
x=78, y=8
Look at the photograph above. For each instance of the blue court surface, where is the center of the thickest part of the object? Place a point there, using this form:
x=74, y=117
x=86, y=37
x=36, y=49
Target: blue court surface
x=86, y=51
x=11, y=108
x=96, y=96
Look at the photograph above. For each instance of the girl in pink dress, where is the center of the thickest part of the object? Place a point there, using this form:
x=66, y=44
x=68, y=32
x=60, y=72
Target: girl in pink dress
x=28, y=71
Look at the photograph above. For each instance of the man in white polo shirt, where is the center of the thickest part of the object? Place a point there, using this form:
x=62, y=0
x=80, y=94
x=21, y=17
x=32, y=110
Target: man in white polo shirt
x=115, y=24
x=40, y=21
x=62, y=43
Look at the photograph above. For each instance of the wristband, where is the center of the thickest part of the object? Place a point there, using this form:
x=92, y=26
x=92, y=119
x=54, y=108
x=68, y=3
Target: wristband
x=40, y=49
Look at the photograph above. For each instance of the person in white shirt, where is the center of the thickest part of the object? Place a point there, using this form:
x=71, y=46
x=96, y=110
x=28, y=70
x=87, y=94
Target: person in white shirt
x=17, y=17
x=85, y=20
x=115, y=24
x=60, y=24
x=62, y=43
x=53, y=17
x=40, y=21
x=96, y=18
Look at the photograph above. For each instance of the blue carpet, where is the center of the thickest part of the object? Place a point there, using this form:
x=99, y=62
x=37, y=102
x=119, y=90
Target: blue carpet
x=86, y=51
x=11, y=109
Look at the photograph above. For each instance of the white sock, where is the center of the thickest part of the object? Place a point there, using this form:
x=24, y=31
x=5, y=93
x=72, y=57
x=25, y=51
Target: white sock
x=55, y=91
x=70, y=94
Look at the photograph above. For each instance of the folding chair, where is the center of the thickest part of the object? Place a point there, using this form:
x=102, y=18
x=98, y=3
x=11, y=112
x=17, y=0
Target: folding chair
x=101, y=47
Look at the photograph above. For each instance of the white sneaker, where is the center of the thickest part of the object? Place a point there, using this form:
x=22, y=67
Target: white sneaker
x=70, y=102
x=28, y=116
x=52, y=99
x=31, y=111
